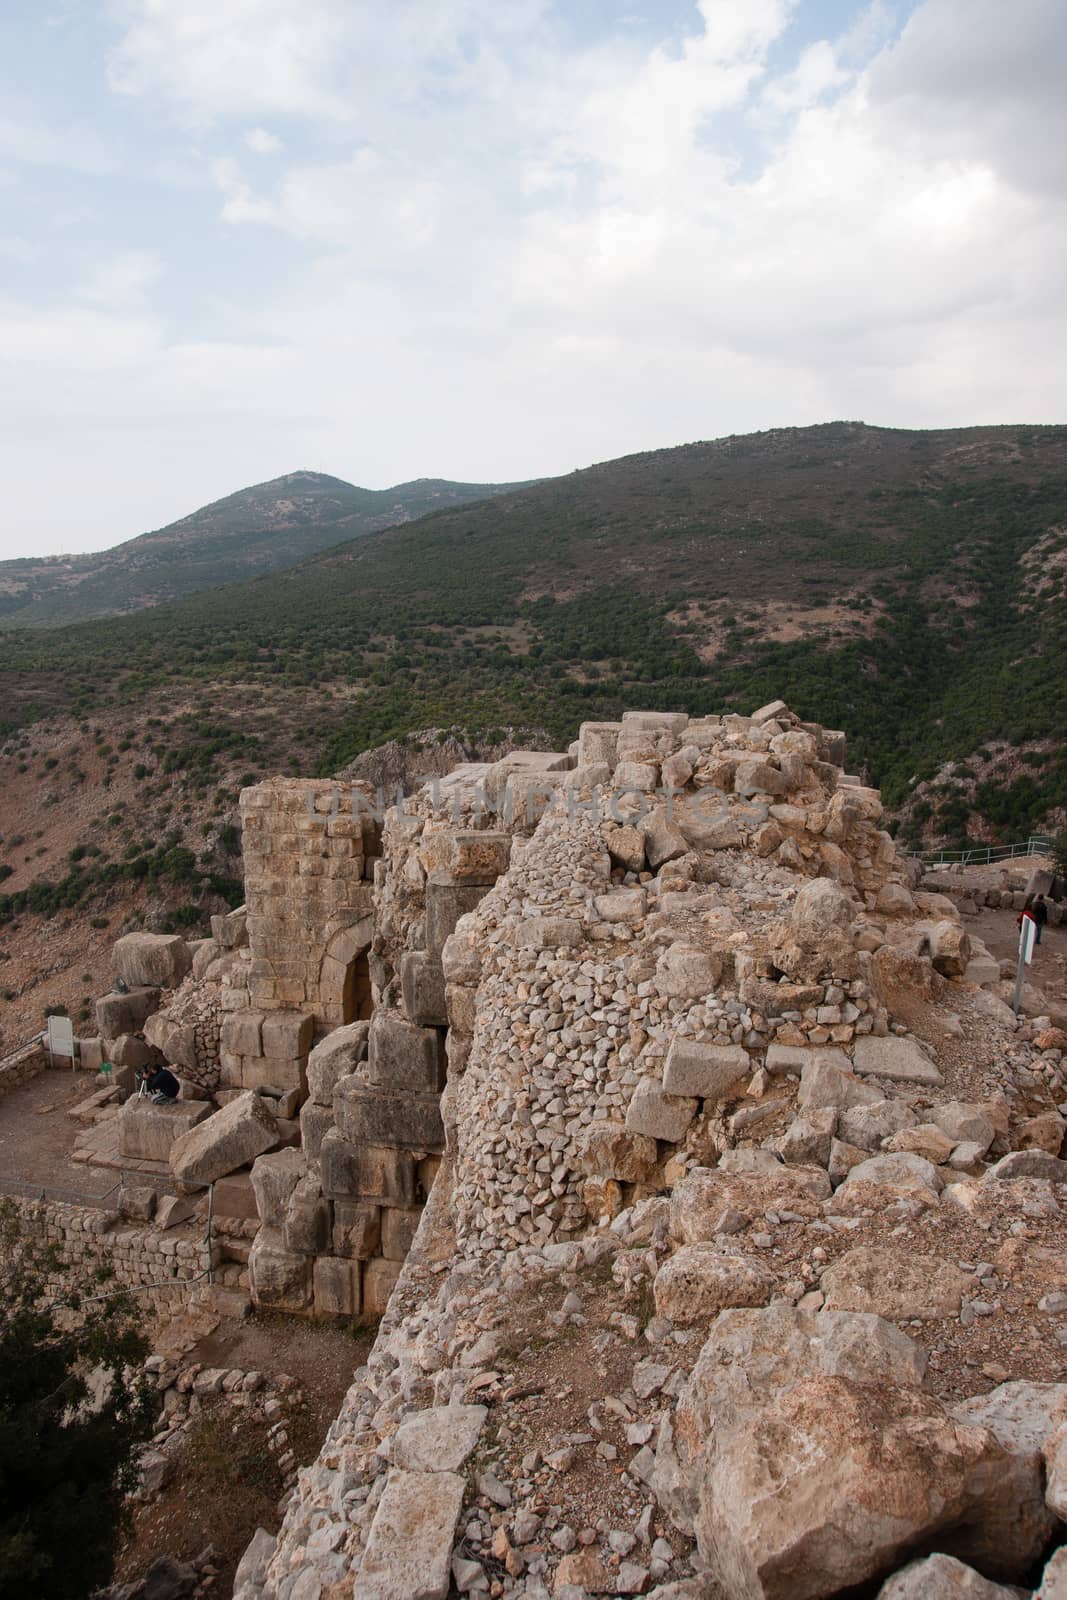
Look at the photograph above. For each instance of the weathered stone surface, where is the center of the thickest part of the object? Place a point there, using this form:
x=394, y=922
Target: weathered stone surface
x=685, y=972
x=422, y=985
x=783, y=1058
x=470, y=858
x=809, y=1139
x=883, y=1179
x=950, y=948
x=941, y=1578
x=709, y=1200
x=626, y=846
x=151, y=960
x=117, y=1014
x=252, y=1567
x=658, y=1115
x=1044, y=1132
x=277, y=1276
x=334, y=1058
x=242, y=1033
x=895, y=1285
x=439, y=1440
x=149, y=1132
x=899, y=1060
x=315, y=1123
x=823, y=1489
x=336, y=1285
x=132, y=1053
x=370, y=1116
x=822, y=913
x=867, y=1125
x=664, y=840
x=549, y=933
x=401, y=1056
x=965, y=1123
x=379, y=1279
x=610, y=1150
x=1019, y=1413
x=399, y=1225
x=1028, y=1164
x=235, y=1196
x=287, y=1035
x=700, y=1280
x=308, y=1218
x=356, y=1229
x=924, y=1139
x=708, y=1071
x=232, y=1138
x=622, y=905
x=598, y=741
x=1054, y=1579
x=445, y=904
x=823, y=1083
x=366, y=1172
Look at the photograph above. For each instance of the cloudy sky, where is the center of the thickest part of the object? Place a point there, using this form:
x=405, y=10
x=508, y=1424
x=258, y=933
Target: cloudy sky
x=492, y=239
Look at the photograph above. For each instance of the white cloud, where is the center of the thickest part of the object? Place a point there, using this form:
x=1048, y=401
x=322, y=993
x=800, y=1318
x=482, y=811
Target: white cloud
x=262, y=142
x=14, y=248
x=124, y=279
x=507, y=254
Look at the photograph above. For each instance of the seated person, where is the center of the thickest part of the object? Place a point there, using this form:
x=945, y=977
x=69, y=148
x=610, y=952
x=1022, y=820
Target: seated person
x=160, y=1083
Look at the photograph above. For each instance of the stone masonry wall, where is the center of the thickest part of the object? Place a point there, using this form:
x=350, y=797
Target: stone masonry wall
x=161, y=1267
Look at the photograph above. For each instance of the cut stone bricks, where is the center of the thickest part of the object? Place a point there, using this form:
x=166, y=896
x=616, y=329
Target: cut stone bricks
x=899, y=1060
x=401, y=1055
x=357, y=1229
x=242, y=1033
x=379, y=1277
x=366, y=1172
x=273, y=1178
x=335, y=1057
x=125, y=1013
x=407, y=1121
x=708, y=1071
x=657, y=1114
x=150, y=1131
x=445, y=904
x=337, y=1287
x=422, y=984
x=279, y=1277
x=399, y=1226
x=287, y=1034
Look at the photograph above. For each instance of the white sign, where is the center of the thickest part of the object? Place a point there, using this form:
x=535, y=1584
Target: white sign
x=1027, y=936
x=61, y=1037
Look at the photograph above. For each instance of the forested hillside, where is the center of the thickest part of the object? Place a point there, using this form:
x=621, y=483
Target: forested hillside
x=906, y=586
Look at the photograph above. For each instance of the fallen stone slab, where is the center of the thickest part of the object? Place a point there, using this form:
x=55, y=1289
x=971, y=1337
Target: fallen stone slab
x=700, y=1280
x=898, y=1060
x=783, y=1058
x=941, y=1578
x=895, y=1285
x=173, y=1209
x=867, y=1125
x=438, y=1440
x=409, y=1550
x=825, y=1083
x=149, y=1132
x=709, y=1201
x=151, y=960
x=117, y=1014
x=232, y=1138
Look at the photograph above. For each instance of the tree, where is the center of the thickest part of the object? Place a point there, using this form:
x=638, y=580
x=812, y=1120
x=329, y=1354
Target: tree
x=1059, y=851
x=75, y=1403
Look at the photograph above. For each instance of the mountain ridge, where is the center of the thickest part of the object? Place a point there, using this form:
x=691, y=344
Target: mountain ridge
x=253, y=530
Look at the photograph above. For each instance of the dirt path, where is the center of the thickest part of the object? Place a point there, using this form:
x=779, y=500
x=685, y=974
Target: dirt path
x=37, y=1137
x=1048, y=970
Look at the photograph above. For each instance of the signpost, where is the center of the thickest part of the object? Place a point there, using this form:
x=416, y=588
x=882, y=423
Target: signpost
x=61, y=1039
x=1027, y=940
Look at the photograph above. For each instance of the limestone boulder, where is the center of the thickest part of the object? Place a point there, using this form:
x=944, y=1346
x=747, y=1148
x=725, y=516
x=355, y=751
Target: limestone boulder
x=1044, y=1132
x=823, y=1082
x=700, y=1280
x=335, y=1057
x=151, y=960
x=965, y=1123
x=895, y=1284
x=1027, y=1164
x=941, y=1578
x=611, y=1150
x=685, y=972
x=867, y=1125
x=663, y=839
x=822, y=914
x=1021, y=1414
x=833, y=1483
x=439, y=1440
x=882, y=1180
x=422, y=985
x=405, y=1120
x=232, y=1138
x=950, y=948
x=809, y=1139
x=403, y=1056
x=117, y=1014
x=710, y=1200
x=924, y=1139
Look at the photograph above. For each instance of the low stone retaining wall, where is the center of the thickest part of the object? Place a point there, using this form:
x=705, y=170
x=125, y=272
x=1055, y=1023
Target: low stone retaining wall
x=19, y=1068
x=159, y=1266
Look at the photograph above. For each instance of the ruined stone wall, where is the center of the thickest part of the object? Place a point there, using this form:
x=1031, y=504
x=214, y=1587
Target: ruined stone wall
x=22, y=1066
x=161, y=1267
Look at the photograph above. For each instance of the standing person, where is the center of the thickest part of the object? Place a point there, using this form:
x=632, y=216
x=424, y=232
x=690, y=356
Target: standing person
x=1039, y=912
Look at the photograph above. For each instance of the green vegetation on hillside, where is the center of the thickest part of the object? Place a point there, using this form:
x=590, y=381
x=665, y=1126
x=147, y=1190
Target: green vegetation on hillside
x=873, y=578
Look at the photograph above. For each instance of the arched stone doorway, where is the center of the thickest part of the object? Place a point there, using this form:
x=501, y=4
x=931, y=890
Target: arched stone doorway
x=344, y=977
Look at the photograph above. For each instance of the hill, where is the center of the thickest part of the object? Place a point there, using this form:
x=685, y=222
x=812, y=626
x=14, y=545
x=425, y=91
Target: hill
x=905, y=586
x=254, y=531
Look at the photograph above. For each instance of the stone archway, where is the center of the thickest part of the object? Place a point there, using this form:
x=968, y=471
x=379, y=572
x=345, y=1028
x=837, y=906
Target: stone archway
x=344, y=976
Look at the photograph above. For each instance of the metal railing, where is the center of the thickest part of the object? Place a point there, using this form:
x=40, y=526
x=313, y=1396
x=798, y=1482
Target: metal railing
x=987, y=855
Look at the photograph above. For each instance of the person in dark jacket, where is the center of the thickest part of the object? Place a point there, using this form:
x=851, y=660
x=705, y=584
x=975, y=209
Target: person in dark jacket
x=1039, y=912
x=160, y=1083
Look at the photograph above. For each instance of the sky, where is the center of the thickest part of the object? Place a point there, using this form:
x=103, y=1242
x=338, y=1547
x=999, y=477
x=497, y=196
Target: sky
x=500, y=239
